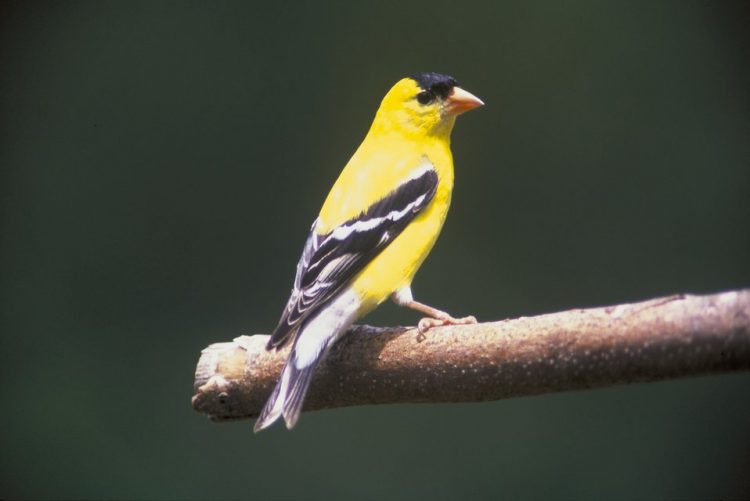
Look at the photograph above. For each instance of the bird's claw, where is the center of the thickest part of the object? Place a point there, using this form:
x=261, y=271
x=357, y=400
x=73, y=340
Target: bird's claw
x=428, y=323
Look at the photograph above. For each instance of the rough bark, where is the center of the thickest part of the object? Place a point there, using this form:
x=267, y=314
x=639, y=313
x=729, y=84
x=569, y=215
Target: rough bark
x=665, y=338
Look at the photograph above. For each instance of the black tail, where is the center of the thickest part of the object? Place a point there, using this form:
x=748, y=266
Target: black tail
x=289, y=394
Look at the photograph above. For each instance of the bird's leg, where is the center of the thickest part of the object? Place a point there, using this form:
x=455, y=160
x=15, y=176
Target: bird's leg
x=436, y=318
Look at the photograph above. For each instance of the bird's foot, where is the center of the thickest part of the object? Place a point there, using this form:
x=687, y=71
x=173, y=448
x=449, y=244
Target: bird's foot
x=428, y=323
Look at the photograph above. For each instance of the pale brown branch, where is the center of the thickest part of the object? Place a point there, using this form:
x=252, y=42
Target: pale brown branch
x=664, y=338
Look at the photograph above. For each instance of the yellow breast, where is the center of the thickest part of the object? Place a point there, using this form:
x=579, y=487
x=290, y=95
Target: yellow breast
x=387, y=163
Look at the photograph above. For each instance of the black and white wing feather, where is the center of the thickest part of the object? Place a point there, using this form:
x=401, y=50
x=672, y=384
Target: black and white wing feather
x=330, y=260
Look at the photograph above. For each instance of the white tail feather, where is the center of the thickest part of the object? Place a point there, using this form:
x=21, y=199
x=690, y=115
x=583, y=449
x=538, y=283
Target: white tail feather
x=310, y=348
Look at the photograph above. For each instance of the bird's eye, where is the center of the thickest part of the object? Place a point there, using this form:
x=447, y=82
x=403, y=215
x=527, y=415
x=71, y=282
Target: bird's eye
x=424, y=97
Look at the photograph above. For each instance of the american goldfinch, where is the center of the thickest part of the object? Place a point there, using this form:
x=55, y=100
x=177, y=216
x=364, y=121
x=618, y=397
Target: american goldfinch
x=376, y=227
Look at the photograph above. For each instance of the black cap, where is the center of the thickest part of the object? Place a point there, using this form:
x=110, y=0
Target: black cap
x=435, y=83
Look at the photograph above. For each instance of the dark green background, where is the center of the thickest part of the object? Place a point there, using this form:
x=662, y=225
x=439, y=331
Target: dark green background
x=161, y=163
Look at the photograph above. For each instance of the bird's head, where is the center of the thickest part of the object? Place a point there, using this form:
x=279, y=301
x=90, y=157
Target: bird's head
x=424, y=103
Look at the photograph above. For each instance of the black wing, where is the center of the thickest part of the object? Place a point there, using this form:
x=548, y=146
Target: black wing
x=329, y=261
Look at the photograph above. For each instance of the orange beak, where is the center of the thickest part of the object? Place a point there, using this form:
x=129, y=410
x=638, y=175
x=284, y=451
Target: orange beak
x=460, y=101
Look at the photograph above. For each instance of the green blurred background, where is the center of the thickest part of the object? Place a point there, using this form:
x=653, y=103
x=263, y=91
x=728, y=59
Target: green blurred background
x=161, y=164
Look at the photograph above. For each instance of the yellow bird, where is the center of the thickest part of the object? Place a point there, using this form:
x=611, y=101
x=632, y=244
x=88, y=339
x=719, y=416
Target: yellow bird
x=375, y=229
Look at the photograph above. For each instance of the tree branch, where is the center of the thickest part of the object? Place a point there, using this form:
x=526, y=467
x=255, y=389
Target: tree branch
x=664, y=338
